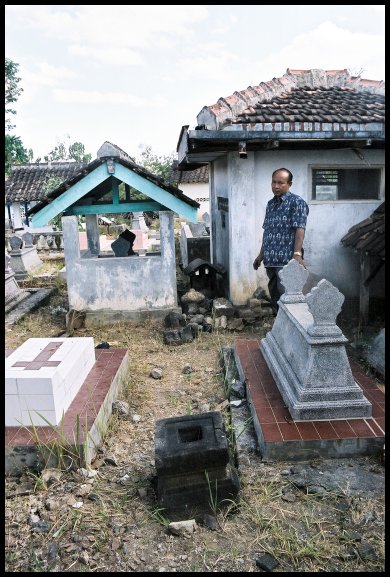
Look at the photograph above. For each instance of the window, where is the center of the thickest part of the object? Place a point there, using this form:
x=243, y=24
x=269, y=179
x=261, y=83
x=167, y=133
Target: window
x=346, y=183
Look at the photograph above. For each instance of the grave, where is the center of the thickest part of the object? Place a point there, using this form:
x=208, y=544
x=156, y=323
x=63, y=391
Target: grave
x=43, y=376
x=305, y=352
x=24, y=256
x=13, y=293
x=193, y=464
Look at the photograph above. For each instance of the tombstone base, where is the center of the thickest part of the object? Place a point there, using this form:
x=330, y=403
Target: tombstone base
x=194, y=494
x=193, y=465
x=13, y=293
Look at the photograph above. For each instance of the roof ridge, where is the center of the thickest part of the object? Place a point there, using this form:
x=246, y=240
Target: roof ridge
x=226, y=108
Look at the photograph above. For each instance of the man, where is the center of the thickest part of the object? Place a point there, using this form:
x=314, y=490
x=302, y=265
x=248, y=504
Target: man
x=284, y=230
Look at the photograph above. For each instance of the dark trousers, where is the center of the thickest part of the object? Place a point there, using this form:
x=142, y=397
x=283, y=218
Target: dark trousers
x=274, y=285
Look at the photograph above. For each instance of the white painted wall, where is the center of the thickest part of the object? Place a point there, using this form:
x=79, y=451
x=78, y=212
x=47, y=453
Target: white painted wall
x=198, y=191
x=247, y=185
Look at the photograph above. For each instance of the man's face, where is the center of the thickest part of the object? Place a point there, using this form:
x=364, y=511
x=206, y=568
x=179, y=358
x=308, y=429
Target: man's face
x=279, y=183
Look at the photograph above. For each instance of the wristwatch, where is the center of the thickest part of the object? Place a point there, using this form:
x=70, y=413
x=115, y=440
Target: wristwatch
x=298, y=253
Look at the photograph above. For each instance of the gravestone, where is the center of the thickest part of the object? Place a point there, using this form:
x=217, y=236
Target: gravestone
x=24, y=259
x=123, y=245
x=43, y=376
x=305, y=352
x=13, y=293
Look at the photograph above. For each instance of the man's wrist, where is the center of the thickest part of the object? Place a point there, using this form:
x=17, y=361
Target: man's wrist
x=297, y=253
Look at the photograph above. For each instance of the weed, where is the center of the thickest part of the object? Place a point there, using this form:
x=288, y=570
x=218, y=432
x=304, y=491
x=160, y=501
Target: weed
x=158, y=515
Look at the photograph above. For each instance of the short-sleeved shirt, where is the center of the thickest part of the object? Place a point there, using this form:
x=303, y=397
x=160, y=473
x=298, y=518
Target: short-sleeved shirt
x=282, y=216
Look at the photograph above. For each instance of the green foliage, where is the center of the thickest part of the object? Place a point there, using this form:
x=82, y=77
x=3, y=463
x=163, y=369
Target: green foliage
x=157, y=165
x=12, y=90
x=68, y=152
x=15, y=153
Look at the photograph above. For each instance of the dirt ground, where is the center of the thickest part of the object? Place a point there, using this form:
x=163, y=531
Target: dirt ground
x=297, y=517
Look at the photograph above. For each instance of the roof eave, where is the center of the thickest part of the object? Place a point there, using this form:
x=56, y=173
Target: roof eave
x=200, y=146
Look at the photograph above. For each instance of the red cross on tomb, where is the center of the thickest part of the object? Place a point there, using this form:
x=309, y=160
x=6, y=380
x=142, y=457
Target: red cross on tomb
x=42, y=359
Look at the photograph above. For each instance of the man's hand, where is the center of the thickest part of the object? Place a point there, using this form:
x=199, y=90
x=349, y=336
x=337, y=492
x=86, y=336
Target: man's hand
x=299, y=259
x=257, y=262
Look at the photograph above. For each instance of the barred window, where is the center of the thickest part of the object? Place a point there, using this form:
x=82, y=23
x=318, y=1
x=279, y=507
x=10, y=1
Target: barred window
x=346, y=184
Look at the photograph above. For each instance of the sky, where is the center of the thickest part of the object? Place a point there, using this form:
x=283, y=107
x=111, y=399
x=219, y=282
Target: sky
x=134, y=75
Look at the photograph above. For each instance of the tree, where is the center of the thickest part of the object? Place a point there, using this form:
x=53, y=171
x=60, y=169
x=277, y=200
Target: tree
x=63, y=152
x=157, y=165
x=15, y=153
x=12, y=91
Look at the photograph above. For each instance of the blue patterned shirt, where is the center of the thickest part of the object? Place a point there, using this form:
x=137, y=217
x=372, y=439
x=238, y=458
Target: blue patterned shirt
x=282, y=216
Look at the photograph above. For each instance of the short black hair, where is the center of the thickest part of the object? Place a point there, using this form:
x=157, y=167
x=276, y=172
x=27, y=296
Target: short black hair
x=290, y=175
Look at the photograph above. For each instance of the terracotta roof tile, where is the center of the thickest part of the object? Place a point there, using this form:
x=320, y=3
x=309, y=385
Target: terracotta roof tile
x=368, y=236
x=26, y=182
x=177, y=177
x=331, y=96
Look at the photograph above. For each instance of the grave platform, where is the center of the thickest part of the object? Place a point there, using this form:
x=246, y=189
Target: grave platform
x=279, y=437
x=83, y=425
x=43, y=376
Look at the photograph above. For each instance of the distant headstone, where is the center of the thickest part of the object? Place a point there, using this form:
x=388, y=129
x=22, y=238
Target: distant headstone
x=123, y=245
x=15, y=242
x=27, y=239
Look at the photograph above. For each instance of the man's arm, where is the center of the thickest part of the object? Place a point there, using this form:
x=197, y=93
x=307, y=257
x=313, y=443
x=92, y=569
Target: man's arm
x=298, y=243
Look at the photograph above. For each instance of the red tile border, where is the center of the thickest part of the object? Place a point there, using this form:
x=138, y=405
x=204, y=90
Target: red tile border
x=308, y=431
x=263, y=389
x=325, y=430
x=271, y=432
x=290, y=431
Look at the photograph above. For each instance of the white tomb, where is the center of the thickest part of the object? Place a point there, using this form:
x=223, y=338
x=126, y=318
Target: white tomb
x=43, y=376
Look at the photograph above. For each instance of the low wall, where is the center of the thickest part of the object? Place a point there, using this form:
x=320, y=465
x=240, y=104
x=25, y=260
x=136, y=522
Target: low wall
x=109, y=284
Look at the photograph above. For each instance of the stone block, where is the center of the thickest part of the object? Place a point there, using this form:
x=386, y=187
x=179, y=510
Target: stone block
x=190, y=443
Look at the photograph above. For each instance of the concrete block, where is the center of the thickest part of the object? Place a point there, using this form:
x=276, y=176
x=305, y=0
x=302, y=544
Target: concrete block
x=48, y=373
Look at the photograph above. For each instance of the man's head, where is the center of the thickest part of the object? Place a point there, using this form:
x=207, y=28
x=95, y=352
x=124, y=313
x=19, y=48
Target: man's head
x=281, y=181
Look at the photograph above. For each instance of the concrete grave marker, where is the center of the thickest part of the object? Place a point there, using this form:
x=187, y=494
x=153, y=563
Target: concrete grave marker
x=43, y=376
x=305, y=352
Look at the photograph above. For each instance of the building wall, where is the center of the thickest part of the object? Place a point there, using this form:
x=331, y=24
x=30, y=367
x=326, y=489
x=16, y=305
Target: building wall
x=121, y=284
x=198, y=191
x=246, y=183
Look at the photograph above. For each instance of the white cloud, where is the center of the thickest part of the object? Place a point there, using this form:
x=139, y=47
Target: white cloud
x=110, y=55
x=211, y=62
x=46, y=75
x=328, y=47
x=108, y=25
x=114, y=98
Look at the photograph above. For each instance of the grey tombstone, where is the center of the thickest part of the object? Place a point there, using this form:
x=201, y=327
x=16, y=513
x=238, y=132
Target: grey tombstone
x=24, y=259
x=121, y=246
x=27, y=239
x=305, y=352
